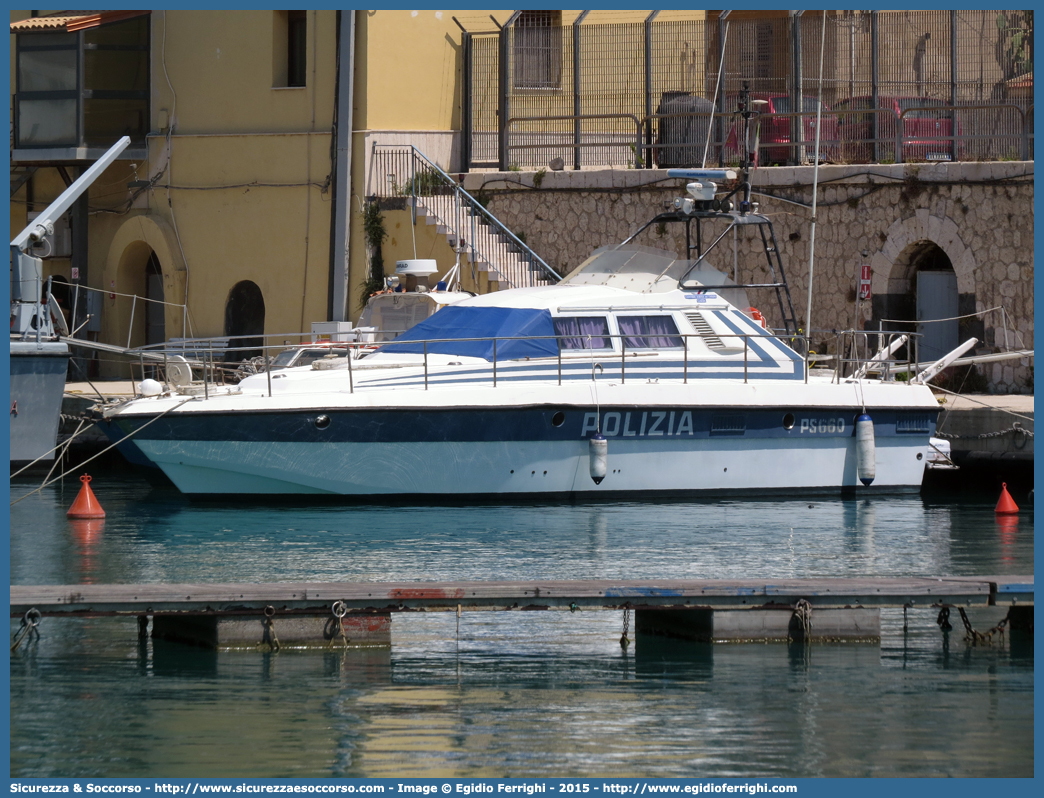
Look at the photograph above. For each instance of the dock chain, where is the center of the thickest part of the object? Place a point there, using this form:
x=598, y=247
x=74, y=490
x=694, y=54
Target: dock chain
x=1015, y=428
x=269, y=638
x=974, y=637
x=29, y=627
x=624, y=642
x=970, y=634
x=340, y=610
x=803, y=613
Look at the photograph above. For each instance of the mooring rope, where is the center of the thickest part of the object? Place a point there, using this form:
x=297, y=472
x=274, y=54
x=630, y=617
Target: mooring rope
x=103, y=451
x=803, y=613
x=64, y=443
x=340, y=610
x=269, y=636
x=30, y=622
x=984, y=404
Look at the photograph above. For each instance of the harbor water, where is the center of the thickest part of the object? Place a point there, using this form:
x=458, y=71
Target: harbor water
x=515, y=694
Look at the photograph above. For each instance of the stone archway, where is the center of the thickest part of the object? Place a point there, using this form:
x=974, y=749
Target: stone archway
x=138, y=239
x=922, y=243
x=123, y=317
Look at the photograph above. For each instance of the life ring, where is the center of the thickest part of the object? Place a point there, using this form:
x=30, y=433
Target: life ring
x=757, y=316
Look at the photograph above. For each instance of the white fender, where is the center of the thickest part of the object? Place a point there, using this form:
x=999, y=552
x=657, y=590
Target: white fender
x=148, y=387
x=866, y=458
x=599, y=453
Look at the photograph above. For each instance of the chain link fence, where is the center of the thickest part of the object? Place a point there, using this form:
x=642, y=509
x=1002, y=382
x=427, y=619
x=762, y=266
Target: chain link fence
x=928, y=85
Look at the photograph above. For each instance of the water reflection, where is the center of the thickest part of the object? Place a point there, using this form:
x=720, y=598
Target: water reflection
x=155, y=535
x=517, y=694
x=1007, y=536
x=86, y=535
x=534, y=694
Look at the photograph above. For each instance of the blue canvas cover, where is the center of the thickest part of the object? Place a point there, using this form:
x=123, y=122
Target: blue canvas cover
x=463, y=322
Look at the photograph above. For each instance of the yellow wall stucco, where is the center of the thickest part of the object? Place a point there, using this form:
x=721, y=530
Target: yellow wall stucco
x=242, y=166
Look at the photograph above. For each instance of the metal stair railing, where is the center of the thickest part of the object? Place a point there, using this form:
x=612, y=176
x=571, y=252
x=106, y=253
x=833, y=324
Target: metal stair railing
x=404, y=171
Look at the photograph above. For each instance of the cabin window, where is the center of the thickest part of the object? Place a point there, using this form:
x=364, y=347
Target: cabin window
x=583, y=332
x=649, y=332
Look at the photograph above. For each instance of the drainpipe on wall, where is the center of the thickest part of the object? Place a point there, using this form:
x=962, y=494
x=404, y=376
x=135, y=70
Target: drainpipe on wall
x=337, y=307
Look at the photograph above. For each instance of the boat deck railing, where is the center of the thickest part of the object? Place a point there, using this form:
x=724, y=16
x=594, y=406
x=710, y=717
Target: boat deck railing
x=861, y=354
x=858, y=353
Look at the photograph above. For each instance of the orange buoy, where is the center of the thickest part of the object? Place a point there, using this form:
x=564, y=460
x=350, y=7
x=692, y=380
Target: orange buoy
x=86, y=505
x=1005, y=505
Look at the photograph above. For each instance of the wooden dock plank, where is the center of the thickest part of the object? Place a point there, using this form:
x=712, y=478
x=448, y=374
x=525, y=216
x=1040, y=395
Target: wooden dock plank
x=317, y=598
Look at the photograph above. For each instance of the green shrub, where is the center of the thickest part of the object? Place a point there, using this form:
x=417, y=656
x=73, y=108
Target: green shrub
x=373, y=229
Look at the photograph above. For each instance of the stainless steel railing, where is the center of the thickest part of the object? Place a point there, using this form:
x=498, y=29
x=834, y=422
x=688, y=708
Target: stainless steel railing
x=404, y=171
x=210, y=357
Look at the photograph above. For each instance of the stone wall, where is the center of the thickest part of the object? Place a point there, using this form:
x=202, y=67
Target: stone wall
x=976, y=218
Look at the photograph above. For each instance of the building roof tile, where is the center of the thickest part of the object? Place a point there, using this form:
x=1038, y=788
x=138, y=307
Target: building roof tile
x=70, y=22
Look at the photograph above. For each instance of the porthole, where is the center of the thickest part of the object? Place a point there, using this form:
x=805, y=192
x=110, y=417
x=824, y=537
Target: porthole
x=788, y=421
x=558, y=419
x=920, y=456
x=322, y=422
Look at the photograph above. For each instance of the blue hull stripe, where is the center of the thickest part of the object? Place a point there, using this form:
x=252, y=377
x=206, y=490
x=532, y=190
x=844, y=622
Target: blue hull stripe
x=540, y=423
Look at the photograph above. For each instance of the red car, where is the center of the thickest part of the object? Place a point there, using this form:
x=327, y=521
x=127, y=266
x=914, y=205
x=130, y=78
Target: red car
x=926, y=129
x=776, y=145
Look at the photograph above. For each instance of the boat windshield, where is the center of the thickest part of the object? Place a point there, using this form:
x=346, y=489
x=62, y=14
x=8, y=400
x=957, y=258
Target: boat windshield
x=652, y=271
x=512, y=328
x=640, y=267
x=393, y=314
x=304, y=357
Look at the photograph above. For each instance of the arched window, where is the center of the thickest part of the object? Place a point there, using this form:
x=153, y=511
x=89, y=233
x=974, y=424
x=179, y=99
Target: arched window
x=244, y=321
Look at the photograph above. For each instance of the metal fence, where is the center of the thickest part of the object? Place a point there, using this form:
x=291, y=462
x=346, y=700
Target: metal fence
x=579, y=91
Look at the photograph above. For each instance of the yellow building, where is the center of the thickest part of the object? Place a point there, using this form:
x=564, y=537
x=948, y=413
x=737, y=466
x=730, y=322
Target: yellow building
x=241, y=194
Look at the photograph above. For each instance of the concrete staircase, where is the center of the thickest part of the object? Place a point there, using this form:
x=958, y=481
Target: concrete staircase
x=504, y=262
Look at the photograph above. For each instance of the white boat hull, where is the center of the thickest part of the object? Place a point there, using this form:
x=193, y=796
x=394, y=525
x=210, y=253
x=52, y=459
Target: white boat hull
x=646, y=466
x=500, y=417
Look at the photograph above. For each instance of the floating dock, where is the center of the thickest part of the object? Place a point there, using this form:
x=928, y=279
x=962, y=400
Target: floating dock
x=234, y=615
